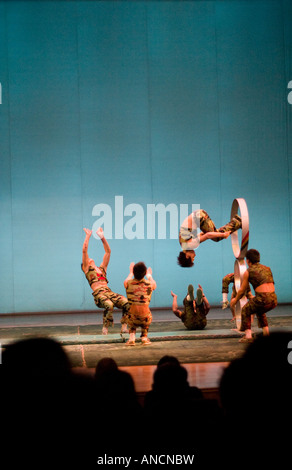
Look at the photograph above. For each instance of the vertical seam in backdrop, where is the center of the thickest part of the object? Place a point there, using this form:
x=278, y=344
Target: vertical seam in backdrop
x=218, y=125
x=10, y=156
x=287, y=123
x=149, y=124
x=77, y=16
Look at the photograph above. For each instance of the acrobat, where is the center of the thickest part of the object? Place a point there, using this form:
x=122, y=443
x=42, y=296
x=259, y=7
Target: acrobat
x=189, y=238
x=195, y=309
x=139, y=291
x=96, y=277
x=265, y=299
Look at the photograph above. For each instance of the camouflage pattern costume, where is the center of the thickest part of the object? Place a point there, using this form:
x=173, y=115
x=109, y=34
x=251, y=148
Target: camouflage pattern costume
x=202, y=219
x=105, y=298
x=263, y=301
x=194, y=319
x=92, y=276
x=139, y=296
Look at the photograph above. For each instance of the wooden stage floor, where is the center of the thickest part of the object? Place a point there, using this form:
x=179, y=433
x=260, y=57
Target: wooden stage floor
x=205, y=354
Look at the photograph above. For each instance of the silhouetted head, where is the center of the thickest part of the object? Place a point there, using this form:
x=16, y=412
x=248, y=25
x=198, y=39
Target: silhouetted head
x=170, y=379
x=105, y=365
x=36, y=358
x=168, y=360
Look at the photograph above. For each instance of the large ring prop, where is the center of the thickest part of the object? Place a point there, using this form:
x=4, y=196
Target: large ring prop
x=240, y=252
x=239, y=270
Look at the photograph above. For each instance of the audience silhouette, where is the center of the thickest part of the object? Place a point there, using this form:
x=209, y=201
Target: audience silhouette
x=255, y=394
x=51, y=413
x=45, y=415
x=105, y=365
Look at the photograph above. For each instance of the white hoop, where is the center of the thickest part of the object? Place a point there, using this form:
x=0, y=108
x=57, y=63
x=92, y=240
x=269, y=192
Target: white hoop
x=239, y=270
x=240, y=253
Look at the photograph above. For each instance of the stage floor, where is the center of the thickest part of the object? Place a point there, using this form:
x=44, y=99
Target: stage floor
x=204, y=353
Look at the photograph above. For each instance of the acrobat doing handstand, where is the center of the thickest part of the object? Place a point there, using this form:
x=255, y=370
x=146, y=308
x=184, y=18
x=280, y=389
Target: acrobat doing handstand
x=96, y=277
x=189, y=238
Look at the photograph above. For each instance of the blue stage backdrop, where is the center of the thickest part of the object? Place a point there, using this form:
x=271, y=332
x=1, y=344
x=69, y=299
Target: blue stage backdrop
x=114, y=111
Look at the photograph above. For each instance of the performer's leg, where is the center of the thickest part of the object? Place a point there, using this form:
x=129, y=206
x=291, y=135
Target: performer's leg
x=263, y=323
x=246, y=313
x=120, y=301
x=108, y=312
x=267, y=302
x=232, y=226
x=132, y=338
x=189, y=306
x=233, y=308
x=190, y=296
x=132, y=330
x=108, y=319
x=145, y=340
x=102, y=301
x=207, y=225
x=199, y=298
x=125, y=306
x=132, y=326
x=144, y=329
x=225, y=289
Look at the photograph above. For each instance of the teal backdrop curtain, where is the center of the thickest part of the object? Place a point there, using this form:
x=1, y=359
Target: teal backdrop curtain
x=173, y=103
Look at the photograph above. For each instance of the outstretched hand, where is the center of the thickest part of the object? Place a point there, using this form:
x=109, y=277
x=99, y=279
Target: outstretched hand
x=149, y=272
x=88, y=232
x=226, y=234
x=131, y=267
x=173, y=295
x=99, y=232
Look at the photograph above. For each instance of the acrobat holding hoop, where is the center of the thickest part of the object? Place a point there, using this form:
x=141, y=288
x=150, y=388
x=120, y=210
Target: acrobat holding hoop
x=240, y=252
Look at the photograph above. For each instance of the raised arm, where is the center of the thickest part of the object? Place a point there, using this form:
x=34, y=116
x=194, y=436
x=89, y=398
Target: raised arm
x=107, y=254
x=150, y=278
x=85, y=257
x=130, y=275
x=175, y=309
